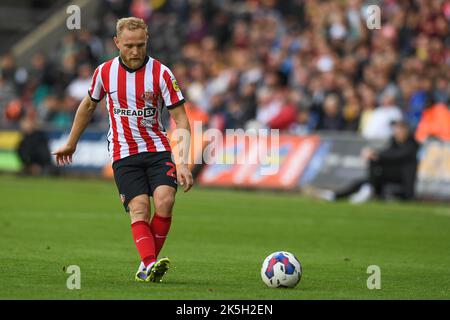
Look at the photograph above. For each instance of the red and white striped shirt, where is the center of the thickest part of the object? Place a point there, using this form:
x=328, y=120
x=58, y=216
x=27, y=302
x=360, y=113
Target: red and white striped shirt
x=135, y=99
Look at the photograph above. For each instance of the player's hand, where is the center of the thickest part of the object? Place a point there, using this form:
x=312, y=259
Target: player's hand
x=64, y=155
x=184, y=177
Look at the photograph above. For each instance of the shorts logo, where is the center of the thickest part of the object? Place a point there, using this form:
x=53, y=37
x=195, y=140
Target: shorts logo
x=122, y=198
x=146, y=112
x=175, y=85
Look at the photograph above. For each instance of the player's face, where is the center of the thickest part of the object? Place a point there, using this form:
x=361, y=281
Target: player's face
x=132, y=45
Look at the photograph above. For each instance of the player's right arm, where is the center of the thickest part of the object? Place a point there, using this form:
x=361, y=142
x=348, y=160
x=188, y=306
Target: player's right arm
x=82, y=118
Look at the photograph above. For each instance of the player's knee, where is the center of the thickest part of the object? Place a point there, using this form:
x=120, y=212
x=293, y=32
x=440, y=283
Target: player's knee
x=139, y=211
x=164, y=204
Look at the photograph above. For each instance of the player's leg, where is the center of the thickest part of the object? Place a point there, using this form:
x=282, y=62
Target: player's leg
x=131, y=180
x=143, y=238
x=164, y=200
x=139, y=209
x=162, y=180
x=162, y=177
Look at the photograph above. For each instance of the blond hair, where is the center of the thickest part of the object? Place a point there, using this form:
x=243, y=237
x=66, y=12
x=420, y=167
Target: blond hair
x=130, y=23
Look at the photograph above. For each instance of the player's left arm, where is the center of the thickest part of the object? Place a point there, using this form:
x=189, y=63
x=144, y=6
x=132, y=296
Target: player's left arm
x=183, y=134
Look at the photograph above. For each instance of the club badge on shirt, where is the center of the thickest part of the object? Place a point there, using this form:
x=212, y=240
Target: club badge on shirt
x=149, y=96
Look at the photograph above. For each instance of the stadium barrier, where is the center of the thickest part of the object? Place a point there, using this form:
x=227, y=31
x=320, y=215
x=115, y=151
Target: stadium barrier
x=293, y=156
x=326, y=161
x=336, y=163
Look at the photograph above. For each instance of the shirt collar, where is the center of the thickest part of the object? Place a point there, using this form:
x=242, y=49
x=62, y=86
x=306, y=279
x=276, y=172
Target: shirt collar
x=133, y=70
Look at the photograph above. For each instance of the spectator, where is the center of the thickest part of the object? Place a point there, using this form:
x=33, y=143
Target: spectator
x=33, y=149
x=7, y=93
x=351, y=111
x=435, y=123
x=269, y=105
x=379, y=124
x=391, y=172
x=441, y=91
x=368, y=101
x=331, y=118
x=238, y=49
x=79, y=87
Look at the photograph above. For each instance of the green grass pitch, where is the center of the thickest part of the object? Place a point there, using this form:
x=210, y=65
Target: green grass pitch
x=217, y=243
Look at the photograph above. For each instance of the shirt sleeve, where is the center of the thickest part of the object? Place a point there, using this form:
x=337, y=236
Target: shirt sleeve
x=96, y=91
x=170, y=91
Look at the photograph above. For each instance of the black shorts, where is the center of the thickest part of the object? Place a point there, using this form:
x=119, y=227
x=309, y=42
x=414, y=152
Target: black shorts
x=142, y=173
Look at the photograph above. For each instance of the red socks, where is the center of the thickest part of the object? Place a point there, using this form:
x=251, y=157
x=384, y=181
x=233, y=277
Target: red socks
x=160, y=228
x=149, y=239
x=144, y=241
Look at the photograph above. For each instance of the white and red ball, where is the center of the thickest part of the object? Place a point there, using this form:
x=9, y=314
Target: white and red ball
x=281, y=269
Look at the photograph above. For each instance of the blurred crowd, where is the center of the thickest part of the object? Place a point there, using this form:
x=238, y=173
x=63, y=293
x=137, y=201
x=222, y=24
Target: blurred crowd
x=298, y=66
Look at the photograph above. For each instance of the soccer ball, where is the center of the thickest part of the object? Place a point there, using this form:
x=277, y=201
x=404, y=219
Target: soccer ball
x=281, y=269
